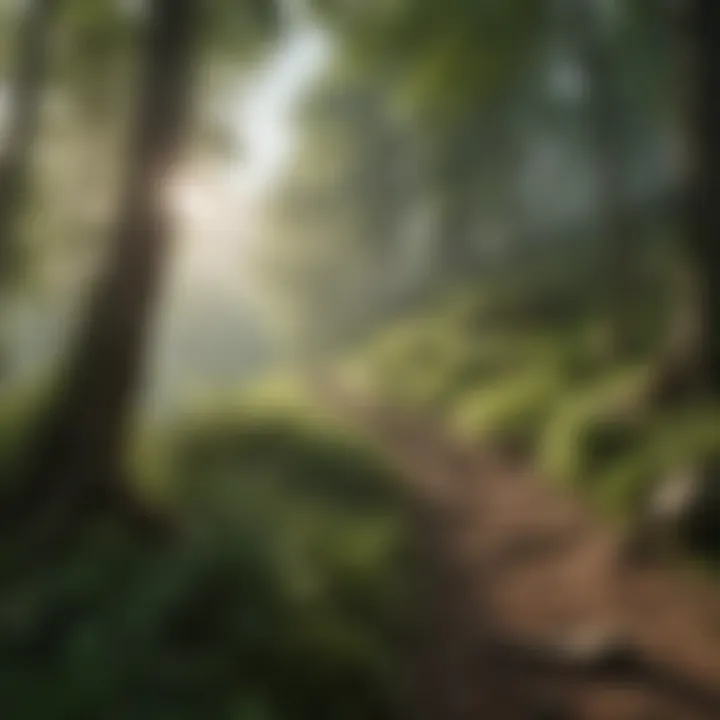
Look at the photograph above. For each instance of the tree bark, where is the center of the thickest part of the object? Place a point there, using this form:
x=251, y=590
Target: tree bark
x=703, y=201
x=79, y=456
x=26, y=87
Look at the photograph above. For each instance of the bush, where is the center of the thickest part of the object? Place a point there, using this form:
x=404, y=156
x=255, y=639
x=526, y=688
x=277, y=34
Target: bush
x=281, y=596
x=591, y=420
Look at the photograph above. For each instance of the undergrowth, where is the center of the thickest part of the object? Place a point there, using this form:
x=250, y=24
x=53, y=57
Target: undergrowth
x=283, y=594
x=528, y=368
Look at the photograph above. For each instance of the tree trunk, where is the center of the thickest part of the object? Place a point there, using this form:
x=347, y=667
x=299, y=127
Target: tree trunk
x=24, y=100
x=607, y=136
x=455, y=180
x=456, y=227
x=704, y=183
x=79, y=456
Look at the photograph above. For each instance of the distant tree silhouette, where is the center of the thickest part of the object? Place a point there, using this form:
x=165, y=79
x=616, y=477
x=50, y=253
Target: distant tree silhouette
x=24, y=97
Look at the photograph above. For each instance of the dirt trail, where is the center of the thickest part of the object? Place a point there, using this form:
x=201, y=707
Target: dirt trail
x=524, y=593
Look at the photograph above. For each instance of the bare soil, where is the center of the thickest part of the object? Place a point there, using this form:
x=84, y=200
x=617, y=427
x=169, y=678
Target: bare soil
x=528, y=607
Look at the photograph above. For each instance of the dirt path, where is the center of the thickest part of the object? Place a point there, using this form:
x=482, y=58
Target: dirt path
x=528, y=611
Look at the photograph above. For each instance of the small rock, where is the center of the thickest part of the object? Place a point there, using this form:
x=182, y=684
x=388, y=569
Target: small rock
x=676, y=496
x=684, y=511
x=659, y=527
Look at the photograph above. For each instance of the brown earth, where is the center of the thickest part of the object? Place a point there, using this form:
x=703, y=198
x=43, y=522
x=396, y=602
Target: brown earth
x=528, y=607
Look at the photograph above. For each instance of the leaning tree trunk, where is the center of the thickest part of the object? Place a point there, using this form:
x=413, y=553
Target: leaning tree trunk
x=24, y=99
x=78, y=460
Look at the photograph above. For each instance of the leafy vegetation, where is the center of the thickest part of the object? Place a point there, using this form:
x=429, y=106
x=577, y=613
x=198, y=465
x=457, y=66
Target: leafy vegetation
x=329, y=169
x=281, y=594
x=545, y=389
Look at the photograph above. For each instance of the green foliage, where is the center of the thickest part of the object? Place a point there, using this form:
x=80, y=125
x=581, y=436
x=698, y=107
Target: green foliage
x=444, y=57
x=511, y=410
x=619, y=461
x=21, y=409
x=474, y=340
x=525, y=368
x=280, y=596
x=590, y=420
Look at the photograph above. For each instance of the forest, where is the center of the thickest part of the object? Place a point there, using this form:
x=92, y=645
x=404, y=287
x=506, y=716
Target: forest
x=359, y=360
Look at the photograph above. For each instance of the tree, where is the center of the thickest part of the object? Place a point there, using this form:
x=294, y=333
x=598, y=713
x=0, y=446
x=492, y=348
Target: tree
x=605, y=110
x=452, y=67
x=703, y=23
x=24, y=98
x=331, y=250
x=78, y=460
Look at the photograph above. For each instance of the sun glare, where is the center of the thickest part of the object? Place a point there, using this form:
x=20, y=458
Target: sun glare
x=216, y=204
x=191, y=199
